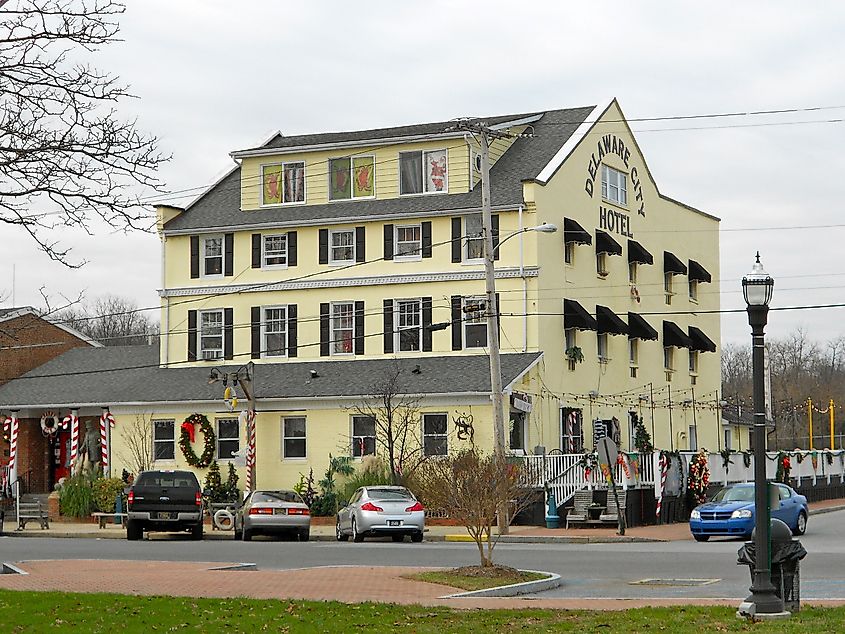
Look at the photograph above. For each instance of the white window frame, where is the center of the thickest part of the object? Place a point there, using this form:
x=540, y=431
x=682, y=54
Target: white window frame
x=669, y=358
x=171, y=442
x=577, y=433
x=634, y=352
x=479, y=237
x=416, y=253
x=569, y=253
x=204, y=257
x=602, y=343
x=398, y=327
x=227, y=439
x=335, y=331
x=332, y=246
x=694, y=360
x=357, y=440
x=352, y=159
x=633, y=272
x=614, y=186
x=284, y=203
x=202, y=336
x=474, y=319
x=265, y=331
x=435, y=436
x=286, y=437
x=693, y=290
x=601, y=264
x=266, y=255
x=424, y=162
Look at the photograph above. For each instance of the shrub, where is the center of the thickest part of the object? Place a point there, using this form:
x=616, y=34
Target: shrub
x=105, y=492
x=76, y=497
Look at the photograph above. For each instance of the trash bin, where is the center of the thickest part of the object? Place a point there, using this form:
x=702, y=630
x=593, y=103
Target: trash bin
x=786, y=556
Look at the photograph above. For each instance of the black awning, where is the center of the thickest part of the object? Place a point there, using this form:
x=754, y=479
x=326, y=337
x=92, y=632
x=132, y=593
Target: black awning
x=609, y=322
x=573, y=232
x=671, y=264
x=698, y=272
x=606, y=244
x=637, y=253
x=575, y=316
x=639, y=328
x=674, y=336
x=700, y=341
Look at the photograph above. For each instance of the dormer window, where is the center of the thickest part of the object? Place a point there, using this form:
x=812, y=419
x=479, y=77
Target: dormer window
x=283, y=183
x=351, y=178
x=423, y=172
x=614, y=185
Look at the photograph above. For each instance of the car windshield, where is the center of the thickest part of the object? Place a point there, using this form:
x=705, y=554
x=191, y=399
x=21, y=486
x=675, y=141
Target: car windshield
x=735, y=494
x=390, y=494
x=276, y=496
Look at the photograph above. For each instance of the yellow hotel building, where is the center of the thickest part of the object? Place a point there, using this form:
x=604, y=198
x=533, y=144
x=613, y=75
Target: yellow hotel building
x=329, y=261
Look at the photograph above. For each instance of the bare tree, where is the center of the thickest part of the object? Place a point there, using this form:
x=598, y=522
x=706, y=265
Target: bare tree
x=65, y=156
x=137, y=439
x=470, y=486
x=111, y=320
x=396, y=417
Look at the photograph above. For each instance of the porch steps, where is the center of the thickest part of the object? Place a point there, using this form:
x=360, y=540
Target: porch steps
x=10, y=507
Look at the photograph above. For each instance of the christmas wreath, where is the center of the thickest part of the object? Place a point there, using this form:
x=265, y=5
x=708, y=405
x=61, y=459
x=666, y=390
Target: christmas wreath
x=589, y=462
x=188, y=435
x=784, y=466
x=699, y=477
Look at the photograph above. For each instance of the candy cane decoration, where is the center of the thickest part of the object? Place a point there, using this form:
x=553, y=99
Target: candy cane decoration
x=664, y=470
x=570, y=429
x=73, y=421
x=106, y=422
x=247, y=418
x=13, y=445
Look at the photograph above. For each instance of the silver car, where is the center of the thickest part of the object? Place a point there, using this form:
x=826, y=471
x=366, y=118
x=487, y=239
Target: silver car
x=273, y=513
x=381, y=510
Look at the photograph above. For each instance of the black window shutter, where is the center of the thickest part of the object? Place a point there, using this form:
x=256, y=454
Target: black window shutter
x=291, y=248
x=325, y=344
x=192, y=335
x=457, y=323
x=292, y=330
x=256, y=250
x=228, y=332
x=457, y=240
x=195, y=257
x=494, y=230
x=360, y=245
x=426, y=324
x=388, y=242
x=426, y=239
x=255, y=332
x=359, y=327
x=324, y=246
x=229, y=257
x=388, y=325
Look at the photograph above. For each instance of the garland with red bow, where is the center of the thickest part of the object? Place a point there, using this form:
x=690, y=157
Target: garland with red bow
x=188, y=436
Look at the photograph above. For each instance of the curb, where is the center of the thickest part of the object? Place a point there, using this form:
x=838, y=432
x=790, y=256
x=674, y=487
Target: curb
x=515, y=589
x=827, y=509
x=559, y=539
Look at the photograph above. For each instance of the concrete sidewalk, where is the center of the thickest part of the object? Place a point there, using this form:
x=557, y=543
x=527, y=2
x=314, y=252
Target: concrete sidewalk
x=518, y=534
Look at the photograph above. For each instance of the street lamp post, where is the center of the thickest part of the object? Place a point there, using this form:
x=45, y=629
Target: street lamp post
x=757, y=289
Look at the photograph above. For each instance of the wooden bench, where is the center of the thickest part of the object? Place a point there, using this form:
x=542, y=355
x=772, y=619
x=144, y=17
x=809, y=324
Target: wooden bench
x=102, y=518
x=579, y=513
x=612, y=515
x=32, y=511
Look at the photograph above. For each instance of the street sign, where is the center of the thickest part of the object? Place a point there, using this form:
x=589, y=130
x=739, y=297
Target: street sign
x=608, y=451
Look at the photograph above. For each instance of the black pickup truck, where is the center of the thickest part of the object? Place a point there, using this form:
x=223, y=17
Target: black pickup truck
x=165, y=501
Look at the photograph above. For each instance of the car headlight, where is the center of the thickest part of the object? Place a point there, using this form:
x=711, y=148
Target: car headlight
x=741, y=514
x=695, y=515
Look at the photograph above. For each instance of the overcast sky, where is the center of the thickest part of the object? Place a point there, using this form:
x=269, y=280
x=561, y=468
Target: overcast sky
x=214, y=76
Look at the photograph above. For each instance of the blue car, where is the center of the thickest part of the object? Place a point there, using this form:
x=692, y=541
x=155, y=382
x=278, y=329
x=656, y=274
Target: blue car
x=731, y=512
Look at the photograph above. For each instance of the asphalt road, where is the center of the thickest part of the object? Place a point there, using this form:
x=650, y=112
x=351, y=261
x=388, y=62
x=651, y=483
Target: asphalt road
x=588, y=570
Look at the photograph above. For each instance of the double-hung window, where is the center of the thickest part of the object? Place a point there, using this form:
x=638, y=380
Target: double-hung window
x=212, y=255
x=275, y=329
x=614, y=185
x=343, y=327
x=475, y=322
x=211, y=334
x=275, y=250
x=668, y=287
x=601, y=347
x=669, y=358
x=601, y=264
x=474, y=233
x=693, y=362
x=571, y=436
x=633, y=270
x=363, y=436
x=351, y=177
x=435, y=435
x=228, y=438
x=408, y=316
x=693, y=290
x=408, y=242
x=341, y=246
x=293, y=437
x=283, y=183
x=164, y=439
x=423, y=172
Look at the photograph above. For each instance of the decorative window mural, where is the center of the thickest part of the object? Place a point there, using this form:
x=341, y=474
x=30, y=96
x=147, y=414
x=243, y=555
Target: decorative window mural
x=351, y=178
x=423, y=172
x=283, y=183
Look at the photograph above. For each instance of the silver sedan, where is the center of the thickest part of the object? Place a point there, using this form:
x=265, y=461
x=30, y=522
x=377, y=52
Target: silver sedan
x=381, y=510
x=273, y=512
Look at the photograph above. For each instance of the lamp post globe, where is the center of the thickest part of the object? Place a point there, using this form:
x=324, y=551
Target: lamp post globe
x=757, y=289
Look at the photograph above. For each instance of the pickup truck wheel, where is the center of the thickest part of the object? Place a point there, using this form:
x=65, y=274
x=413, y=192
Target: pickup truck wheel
x=246, y=535
x=134, y=530
x=196, y=532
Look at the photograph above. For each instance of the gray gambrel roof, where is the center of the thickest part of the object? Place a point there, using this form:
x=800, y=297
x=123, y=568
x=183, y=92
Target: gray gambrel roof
x=220, y=206
x=130, y=374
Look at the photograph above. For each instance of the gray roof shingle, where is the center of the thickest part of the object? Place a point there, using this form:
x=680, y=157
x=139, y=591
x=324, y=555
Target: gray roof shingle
x=524, y=160
x=130, y=374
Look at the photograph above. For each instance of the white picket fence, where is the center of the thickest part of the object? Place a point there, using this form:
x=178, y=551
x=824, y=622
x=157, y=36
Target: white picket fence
x=564, y=474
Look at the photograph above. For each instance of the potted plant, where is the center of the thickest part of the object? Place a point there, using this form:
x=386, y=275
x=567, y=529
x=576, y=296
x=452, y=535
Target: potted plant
x=573, y=355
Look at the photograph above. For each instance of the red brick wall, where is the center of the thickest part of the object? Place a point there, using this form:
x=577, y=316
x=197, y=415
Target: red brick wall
x=34, y=455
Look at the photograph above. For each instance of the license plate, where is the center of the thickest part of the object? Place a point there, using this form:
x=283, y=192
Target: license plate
x=394, y=522
x=166, y=515
x=280, y=511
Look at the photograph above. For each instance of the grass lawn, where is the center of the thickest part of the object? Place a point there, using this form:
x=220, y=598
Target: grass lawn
x=477, y=578
x=64, y=612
